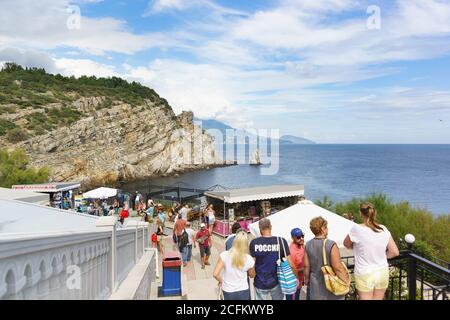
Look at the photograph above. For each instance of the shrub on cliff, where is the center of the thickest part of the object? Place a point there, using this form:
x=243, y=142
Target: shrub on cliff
x=16, y=135
x=14, y=169
x=432, y=233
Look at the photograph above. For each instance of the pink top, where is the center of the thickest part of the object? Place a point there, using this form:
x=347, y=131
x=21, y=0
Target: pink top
x=297, y=255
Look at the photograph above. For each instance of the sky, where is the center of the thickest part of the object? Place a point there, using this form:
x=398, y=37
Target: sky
x=333, y=71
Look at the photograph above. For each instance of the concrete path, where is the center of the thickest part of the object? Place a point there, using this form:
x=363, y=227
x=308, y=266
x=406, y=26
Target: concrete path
x=196, y=283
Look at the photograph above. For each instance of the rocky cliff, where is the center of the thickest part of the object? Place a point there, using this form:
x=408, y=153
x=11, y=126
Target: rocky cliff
x=112, y=144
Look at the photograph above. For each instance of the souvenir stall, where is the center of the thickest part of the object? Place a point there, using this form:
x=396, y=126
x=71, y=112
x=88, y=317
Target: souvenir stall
x=248, y=205
x=62, y=194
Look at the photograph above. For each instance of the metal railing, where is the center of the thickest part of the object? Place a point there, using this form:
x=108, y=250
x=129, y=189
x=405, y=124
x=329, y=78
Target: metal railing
x=411, y=277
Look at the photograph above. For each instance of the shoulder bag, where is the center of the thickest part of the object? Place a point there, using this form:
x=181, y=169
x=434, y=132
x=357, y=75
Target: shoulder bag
x=286, y=277
x=333, y=283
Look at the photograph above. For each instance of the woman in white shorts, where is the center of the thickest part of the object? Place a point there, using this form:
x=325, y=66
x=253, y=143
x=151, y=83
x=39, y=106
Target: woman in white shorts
x=211, y=217
x=372, y=245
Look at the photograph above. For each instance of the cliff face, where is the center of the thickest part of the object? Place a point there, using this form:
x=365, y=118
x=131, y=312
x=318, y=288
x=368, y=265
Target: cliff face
x=121, y=143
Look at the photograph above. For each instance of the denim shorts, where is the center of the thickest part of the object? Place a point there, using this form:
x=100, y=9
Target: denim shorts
x=238, y=295
x=269, y=294
x=205, y=251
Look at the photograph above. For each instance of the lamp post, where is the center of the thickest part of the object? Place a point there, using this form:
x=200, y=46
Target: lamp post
x=412, y=275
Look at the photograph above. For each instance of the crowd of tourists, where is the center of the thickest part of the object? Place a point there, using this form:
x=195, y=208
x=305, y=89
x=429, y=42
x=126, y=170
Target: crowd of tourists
x=283, y=271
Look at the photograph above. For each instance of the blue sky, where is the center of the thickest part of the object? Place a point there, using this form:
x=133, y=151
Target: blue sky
x=311, y=68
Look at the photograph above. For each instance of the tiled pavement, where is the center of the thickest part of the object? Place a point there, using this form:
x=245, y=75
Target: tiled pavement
x=196, y=283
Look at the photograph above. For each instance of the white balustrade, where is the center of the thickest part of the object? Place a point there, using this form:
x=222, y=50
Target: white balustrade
x=88, y=265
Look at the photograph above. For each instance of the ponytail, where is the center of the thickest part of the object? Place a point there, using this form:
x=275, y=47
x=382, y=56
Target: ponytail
x=368, y=211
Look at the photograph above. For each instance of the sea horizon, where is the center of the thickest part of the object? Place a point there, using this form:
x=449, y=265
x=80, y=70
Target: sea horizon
x=416, y=173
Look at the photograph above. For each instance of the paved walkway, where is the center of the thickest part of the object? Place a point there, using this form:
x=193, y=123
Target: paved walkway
x=196, y=283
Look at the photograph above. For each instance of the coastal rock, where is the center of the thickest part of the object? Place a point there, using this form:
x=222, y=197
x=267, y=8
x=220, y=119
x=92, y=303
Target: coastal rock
x=121, y=143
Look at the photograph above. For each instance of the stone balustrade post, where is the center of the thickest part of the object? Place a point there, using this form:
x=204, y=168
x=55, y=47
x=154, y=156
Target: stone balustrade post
x=109, y=223
x=135, y=224
x=145, y=229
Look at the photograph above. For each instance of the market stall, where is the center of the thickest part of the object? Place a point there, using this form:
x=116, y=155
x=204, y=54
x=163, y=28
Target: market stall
x=62, y=194
x=248, y=205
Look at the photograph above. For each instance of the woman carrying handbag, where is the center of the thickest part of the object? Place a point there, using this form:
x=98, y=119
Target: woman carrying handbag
x=316, y=260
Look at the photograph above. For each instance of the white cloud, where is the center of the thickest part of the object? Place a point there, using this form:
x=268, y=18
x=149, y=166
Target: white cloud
x=158, y=6
x=266, y=63
x=201, y=88
x=49, y=29
x=80, y=67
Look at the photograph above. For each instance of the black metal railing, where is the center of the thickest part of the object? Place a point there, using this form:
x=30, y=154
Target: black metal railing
x=412, y=277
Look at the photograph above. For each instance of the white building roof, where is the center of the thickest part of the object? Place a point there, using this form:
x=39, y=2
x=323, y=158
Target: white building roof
x=24, y=195
x=25, y=219
x=258, y=193
x=299, y=216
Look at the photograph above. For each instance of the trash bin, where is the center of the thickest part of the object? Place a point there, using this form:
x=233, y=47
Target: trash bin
x=171, y=285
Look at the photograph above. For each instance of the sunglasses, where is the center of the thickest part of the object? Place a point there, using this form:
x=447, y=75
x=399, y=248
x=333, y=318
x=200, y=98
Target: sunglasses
x=301, y=237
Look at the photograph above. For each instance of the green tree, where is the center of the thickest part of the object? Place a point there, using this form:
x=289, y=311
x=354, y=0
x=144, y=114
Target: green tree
x=432, y=233
x=325, y=203
x=14, y=169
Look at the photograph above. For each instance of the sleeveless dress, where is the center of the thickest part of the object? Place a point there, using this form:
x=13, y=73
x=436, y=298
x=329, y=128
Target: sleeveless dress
x=316, y=283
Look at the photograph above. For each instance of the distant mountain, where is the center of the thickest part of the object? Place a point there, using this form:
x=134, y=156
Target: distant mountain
x=222, y=127
x=213, y=124
x=287, y=139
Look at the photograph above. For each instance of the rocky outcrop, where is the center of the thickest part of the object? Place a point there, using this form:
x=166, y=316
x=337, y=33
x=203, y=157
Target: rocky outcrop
x=121, y=143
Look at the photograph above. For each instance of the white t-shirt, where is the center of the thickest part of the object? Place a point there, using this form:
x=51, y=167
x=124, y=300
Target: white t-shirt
x=191, y=234
x=369, y=248
x=184, y=213
x=233, y=279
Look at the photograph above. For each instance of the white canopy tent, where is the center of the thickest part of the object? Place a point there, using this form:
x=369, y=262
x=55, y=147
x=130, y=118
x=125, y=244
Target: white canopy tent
x=100, y=193
x=299, y=216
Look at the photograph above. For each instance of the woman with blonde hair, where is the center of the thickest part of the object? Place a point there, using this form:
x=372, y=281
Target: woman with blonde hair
x=314, y=261
x=236, y=265
x=372, y=245
x=211, y=214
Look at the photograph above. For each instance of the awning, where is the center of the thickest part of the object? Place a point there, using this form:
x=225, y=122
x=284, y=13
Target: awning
x=258, y=193
x=100, y=193
x=48, y=187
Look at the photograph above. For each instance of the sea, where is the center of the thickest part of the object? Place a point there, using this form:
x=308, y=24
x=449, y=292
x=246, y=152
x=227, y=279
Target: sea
x=418, y=174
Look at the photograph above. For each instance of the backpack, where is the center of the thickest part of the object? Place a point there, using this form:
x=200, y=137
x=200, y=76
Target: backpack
x=183, y=240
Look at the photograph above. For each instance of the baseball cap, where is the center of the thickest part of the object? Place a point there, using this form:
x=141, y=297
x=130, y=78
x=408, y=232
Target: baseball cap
x=297, y=232
x=202, y=225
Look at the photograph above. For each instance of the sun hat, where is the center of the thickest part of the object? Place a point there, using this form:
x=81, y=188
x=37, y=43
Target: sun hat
x=202, y=225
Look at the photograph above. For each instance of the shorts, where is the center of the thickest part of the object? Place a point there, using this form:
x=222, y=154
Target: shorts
x=205, y=251
x=378, y=279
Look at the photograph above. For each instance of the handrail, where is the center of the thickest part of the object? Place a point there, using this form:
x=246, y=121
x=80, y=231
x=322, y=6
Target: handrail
x=430, y=263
